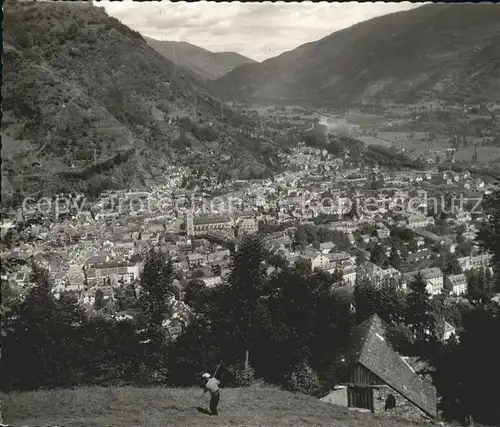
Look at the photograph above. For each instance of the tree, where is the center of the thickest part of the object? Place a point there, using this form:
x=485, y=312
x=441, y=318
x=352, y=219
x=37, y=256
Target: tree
x=99, y=300
x=157, y=288
x=465, y=248
x=40, y=344
x=489, y=233
x=338, y=277
x=378, y=256
x=418, y=314
x=451, y=265
x=195, y=294
x=247, y=282
x=480, y=285
x=395, y=258
x=404, y=252
x=303, y=265
x=378, y=297
x=304, y=323
x=401, y=339
x=366, y=298
x=463, y=364
x=9, y=297
x=278, y=261
x=156, y=284
x=360, y=257
x=300, y=238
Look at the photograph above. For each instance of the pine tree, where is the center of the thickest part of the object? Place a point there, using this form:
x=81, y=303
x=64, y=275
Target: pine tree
x=480, y=285
x=395, y=258
x=196, y=294
x=366, y=298
x=41, y=343
x=418, y=313
x=156, y=283
x=247, y=281
x=99, y=299
x=490, y=282
x=489, y=234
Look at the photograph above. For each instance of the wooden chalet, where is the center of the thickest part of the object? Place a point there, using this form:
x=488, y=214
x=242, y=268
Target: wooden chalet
x=379, y=380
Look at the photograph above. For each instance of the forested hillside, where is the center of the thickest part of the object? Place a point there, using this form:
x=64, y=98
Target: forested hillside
x=88, y=105
x=449, y=52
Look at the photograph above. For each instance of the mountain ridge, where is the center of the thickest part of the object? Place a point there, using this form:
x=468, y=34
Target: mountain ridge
x=206, y=64
x=433, y=51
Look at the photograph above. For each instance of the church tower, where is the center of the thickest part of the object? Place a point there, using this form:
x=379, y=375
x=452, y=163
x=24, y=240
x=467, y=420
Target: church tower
x=188, y=222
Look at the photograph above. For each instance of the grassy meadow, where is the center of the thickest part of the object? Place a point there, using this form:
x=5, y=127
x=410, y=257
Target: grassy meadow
x=154, y=407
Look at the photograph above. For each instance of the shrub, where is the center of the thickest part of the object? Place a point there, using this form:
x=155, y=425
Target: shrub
x=241, y=376
x=304, y=380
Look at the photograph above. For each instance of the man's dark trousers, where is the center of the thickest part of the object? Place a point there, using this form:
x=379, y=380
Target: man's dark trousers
x=214, y=401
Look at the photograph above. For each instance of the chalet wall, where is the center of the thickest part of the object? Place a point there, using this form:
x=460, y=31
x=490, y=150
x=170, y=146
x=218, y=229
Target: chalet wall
x=362, y=376
x=404, y=408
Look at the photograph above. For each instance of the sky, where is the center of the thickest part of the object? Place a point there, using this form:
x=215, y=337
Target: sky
x=256, y=30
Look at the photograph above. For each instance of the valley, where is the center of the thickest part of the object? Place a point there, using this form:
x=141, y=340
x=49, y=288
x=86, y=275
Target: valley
x=316, y=234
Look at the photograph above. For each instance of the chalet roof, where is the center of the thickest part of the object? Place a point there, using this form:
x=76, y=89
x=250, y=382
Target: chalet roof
x=370, y=349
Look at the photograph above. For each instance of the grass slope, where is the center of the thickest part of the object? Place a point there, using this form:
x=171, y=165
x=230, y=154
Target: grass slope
x=444, y=51
x=154, y=407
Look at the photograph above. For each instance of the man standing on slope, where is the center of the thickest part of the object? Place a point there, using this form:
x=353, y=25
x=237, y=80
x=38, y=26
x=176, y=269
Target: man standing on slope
x=212, y=385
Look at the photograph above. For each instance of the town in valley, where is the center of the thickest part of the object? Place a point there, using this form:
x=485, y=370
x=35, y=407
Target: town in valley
x=265, y=210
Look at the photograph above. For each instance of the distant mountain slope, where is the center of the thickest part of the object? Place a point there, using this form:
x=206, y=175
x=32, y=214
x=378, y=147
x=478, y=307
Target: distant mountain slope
x=206, y=64
x=445, y=51
x=87, y=104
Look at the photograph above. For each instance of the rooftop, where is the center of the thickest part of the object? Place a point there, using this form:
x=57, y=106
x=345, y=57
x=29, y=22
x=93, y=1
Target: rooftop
x=202, y=220
x=370, y=349
x=427, y=273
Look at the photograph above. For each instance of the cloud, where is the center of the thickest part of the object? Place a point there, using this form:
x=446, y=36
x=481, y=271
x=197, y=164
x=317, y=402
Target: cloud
x=256, y=30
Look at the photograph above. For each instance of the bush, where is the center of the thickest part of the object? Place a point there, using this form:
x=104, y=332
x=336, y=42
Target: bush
x=241, y=376
x=304, y=380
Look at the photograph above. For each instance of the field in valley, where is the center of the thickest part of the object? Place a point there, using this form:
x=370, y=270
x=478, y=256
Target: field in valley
x=372, y=140
x=417, y=143
x=155, y=407
x=363, y=119
x=484, y=154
